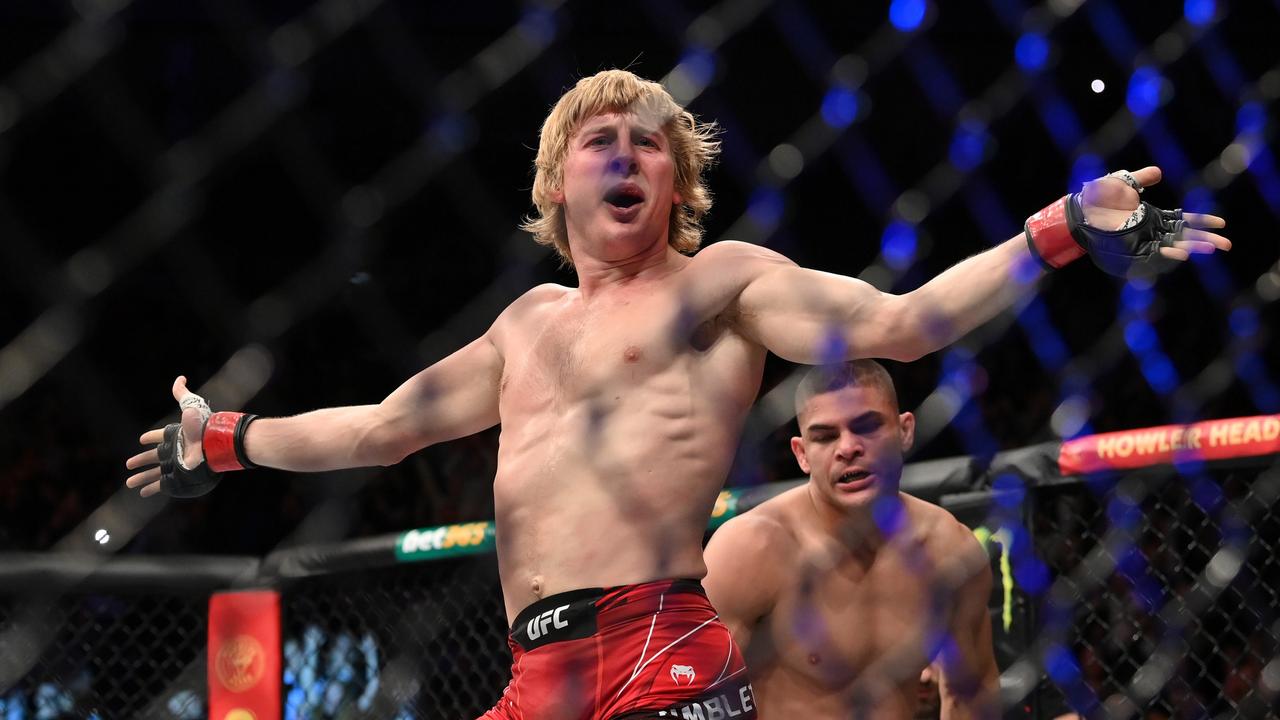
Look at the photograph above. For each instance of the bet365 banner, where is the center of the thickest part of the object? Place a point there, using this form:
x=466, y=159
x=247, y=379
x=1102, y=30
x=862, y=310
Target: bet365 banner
x=244, y=656
x=1208, y=440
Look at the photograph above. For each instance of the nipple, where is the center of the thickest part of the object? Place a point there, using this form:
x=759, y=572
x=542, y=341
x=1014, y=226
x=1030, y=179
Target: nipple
x=814, y=658
x=631, y=354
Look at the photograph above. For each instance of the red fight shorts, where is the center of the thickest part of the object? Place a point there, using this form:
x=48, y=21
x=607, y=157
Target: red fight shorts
x=655, y=650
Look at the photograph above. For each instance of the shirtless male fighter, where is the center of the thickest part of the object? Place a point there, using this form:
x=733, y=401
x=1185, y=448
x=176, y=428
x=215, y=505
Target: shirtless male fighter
x=621, y=400
x=843, y=590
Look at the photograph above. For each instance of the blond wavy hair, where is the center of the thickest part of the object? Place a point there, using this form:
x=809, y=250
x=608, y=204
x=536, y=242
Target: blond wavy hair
x=693, y=148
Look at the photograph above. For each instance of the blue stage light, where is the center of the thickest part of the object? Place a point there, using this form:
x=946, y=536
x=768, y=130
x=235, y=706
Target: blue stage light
x=1144, y=91
x=1061, y=664
x=906, y=15
x=968, y=146
x=1031, y=575
x=1140, y=337
x=840, y=107
x=1251, y=118
x=700, y=65
x=898, y=244
x=765, y=207
x=1086, y=167
x=1031, y=51
x=1244, y=322
x=1199, y=12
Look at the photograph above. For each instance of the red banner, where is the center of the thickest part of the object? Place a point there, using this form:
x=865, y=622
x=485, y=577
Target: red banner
x=1208, y=440
x=244, y=656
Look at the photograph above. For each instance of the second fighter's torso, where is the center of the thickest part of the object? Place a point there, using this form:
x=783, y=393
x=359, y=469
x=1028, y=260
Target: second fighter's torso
x=620, y=416
x=849, y=633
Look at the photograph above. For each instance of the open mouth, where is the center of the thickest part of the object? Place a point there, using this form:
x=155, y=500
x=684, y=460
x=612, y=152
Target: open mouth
x=852, y=476
x=624, y=196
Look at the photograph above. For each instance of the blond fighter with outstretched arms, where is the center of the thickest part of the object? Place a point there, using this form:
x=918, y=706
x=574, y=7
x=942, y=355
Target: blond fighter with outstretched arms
x=621, y=399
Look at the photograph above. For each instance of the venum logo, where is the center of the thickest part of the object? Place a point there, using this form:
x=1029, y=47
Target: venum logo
x=682, y=672
x=539, y=626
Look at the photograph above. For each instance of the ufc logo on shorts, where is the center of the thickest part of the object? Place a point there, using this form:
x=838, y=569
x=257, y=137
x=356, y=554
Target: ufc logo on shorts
x=538, y=626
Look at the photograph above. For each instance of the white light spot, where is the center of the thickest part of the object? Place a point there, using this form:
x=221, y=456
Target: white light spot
x=90, y=271
x=1271, y=677
x=1097, y=85
x=1070, y=416
x=1236, y=158
x=1224, y=567
x=363, y=205
x=786, y=161
x=1268, y=286
x=912, y=206
x=102, y=536
x=1063, y=8
x=877, y=276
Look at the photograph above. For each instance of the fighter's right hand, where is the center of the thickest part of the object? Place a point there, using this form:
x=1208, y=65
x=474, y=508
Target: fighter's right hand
x=177, y=461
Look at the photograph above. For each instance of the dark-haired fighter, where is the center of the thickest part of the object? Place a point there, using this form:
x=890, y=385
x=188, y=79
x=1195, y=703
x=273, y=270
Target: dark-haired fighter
x=844, y=589
x=621, y=399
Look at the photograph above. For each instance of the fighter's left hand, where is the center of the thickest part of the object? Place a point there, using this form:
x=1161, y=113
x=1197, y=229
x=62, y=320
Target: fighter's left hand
x=1109, y=201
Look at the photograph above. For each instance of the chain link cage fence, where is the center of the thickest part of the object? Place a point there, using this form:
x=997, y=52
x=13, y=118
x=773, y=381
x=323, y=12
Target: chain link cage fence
x=1166, y=601
x=1147, y=594
x=107, y=655
x=268, y=171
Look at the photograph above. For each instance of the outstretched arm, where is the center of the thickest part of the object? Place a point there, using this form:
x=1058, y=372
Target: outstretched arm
x=453, y=398
x=811, y=317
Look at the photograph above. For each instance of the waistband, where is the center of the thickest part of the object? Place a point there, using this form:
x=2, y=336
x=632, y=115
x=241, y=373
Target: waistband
x=578, y=614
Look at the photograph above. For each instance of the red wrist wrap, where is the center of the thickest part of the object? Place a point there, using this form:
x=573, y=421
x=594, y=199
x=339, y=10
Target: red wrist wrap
x=1050, y=237
x=219, y=441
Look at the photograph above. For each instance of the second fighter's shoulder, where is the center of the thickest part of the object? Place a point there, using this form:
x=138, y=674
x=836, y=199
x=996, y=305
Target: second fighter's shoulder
x=943, y=530
x=757, y=532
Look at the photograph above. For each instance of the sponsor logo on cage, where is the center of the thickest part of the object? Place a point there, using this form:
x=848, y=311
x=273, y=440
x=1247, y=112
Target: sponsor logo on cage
x=1208, y=440
x=538, y=626
x=240, y=663
x=729, y=704
x=442, y=538
x=726, y=503
x=1146, y=442
x=683, y=672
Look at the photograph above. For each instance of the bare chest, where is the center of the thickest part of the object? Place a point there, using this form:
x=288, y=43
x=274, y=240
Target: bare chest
x=842, y=623
x=579, y=351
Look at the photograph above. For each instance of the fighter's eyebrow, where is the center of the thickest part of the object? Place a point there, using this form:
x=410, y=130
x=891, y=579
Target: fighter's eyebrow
x=868, y=415
x=603, y=125
x=595, y=127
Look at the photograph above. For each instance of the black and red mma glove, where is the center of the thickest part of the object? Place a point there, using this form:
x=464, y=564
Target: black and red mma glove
x=1060, y=234
x=222, y=440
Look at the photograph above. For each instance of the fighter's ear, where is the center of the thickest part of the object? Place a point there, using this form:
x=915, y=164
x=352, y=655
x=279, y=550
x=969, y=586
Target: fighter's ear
x=797, y=449
x=907, y=429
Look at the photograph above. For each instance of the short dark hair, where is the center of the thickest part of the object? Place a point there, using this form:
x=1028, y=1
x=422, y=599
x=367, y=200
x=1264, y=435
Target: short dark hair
x=854, y=373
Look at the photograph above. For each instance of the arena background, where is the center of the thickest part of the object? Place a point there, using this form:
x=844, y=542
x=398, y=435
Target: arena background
x=301, y=204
